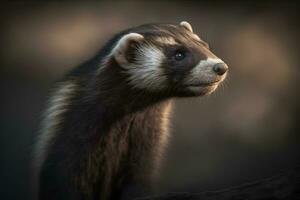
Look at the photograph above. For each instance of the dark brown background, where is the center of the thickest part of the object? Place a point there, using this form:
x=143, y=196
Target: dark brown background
x=248, y=129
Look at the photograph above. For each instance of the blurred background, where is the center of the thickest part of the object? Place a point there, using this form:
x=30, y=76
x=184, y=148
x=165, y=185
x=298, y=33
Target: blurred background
x=247, y=130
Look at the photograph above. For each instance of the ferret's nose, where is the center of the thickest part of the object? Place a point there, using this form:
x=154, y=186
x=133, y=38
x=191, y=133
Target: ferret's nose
x=220, y=68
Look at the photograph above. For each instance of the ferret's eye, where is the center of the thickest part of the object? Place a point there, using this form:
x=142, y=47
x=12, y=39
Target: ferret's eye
x=179, y=55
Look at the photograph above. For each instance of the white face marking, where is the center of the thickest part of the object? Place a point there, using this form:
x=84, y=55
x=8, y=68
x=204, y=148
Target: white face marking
x=146, y=71
x=209, y=62
x=203, y=71
x=52, y=118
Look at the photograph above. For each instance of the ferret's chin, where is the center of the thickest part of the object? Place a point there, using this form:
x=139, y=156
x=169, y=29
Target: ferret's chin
x=202, y=90
x=194, y=91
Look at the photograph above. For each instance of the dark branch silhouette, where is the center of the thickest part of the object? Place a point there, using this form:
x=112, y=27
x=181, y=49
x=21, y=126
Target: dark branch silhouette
x=283, y=186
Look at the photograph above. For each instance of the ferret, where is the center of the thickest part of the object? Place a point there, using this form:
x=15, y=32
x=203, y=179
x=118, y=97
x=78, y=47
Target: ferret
x=106, y=125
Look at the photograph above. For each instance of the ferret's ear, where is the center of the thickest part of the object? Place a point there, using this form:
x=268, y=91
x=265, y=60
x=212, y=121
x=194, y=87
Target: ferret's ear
x=186, y=25
x=125, y=48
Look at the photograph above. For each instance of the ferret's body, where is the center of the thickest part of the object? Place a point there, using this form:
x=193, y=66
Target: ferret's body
x=107, y=122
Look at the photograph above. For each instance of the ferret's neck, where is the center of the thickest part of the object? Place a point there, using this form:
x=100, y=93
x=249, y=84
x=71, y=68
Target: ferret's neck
x=114, y=93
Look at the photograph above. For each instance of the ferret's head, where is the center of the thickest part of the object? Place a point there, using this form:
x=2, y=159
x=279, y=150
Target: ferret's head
x=169, y=59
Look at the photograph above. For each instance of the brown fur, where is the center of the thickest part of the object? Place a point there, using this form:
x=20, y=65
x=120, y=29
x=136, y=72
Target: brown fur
x=103, y=137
